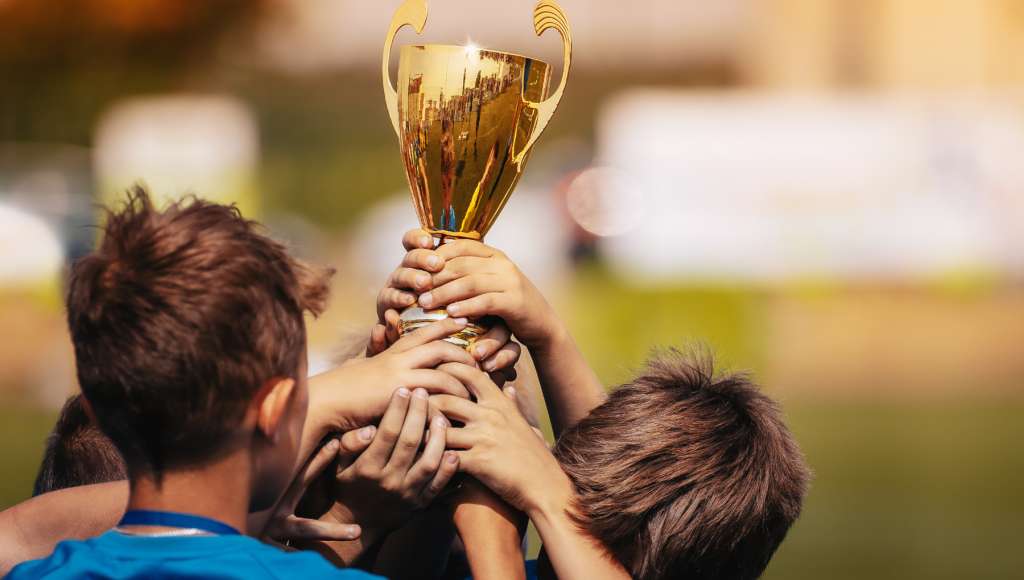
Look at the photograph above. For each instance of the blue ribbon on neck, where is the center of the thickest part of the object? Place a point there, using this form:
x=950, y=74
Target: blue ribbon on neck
x=176, y=520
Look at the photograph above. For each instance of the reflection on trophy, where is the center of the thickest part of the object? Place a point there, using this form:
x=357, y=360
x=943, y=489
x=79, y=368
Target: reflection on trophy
x=466, y=120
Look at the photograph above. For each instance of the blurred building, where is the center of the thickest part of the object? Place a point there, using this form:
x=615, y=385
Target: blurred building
x=889, y=45
x=789, y=44
x=630, y=36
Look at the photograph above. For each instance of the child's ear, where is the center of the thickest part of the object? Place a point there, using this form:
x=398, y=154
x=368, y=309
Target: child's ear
x=276, y=398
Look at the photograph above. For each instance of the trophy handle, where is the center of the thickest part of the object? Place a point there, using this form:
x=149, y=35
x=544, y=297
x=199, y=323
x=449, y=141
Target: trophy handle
x=548, y=14
x=412, y=13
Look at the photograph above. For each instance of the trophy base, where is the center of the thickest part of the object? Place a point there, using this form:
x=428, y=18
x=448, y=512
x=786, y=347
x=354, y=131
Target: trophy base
x=415, y=317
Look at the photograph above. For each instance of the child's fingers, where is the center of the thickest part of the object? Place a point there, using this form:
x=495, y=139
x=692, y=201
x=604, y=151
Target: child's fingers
x=320, y=460
x=389, y=429
x=296, y=528
x=489, y=342
x=490, y=304
x=460, y=438
x=431, y=332
x=456, y=268
x=417, y=238
x=410, y=279
x=506, y=357
x=465, y=248
x=411, y=435
x=392, y=326
x=435, y=382
x=429, y=461
x=435, y=353
x=449, y=466
x=378, y=342
x=461, y=289
x=426, y=261
x=455, y=408
x=502, y=376
x=352, y=444
x=477, y=381
x=393, y=299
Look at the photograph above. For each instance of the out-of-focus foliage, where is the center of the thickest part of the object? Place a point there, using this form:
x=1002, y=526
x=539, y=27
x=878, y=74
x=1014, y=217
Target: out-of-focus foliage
x=45, y=36
x=63, y=61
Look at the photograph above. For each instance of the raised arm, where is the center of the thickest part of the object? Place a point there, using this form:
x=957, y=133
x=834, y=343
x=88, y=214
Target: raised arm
x=473, y=280
x=499, y=448
x=491, y=531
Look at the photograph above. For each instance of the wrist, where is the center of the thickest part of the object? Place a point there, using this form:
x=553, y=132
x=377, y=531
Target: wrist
x=552, y=339
x=550, y=503
x=327, y=401
x=317, y=425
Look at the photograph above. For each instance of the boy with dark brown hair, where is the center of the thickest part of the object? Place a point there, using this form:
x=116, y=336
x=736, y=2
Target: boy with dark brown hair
x=677, y=474
x=190, y=346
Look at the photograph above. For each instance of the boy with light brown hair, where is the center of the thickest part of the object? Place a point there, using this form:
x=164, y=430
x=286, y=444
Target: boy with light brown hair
x=679, y=473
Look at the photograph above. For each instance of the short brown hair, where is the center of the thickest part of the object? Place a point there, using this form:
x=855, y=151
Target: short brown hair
x=77, y=453
x=177, y=319
x=682, y=474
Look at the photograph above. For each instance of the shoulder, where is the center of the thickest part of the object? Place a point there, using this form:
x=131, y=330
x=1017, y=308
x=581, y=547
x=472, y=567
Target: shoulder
x=279, y=563
x=67, y=557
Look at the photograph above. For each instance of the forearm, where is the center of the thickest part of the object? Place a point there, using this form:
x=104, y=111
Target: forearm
x=571, y=388
x=572, y=553
x=493, y=542
x=32, y=528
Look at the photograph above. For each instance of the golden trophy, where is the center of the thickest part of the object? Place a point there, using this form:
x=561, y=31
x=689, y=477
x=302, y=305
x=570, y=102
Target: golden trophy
x=466, y=120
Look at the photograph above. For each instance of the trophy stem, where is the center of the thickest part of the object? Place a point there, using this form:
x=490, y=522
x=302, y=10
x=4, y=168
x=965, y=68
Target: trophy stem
x=414, y=316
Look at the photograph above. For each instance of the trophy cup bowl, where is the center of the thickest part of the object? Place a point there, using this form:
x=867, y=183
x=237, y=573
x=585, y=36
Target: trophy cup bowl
x=466, y=119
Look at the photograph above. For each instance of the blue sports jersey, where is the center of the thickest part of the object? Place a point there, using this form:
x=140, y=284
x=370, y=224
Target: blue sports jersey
x=117, y=555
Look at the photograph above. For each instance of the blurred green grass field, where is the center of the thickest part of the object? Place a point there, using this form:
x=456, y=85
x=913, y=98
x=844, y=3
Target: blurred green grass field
x=905, y=486
x=908, y=490
x=23, y=430
x=904, y=491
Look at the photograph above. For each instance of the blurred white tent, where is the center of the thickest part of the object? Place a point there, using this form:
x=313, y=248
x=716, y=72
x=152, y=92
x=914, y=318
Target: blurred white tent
x=178, y=144
x=764, y=188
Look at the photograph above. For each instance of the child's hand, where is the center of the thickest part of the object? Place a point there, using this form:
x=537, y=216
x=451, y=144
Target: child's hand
x=284, y=526
x=357, y=393
x=493, y=350
x=471, y=280
x=392, y=478
x=498, y=447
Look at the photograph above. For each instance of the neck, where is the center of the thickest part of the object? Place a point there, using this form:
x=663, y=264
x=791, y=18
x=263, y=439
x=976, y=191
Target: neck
x=219, y=490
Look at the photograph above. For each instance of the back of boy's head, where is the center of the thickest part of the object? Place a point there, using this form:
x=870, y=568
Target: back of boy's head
x=178, y=318
x=77, y=453
x=681, y=474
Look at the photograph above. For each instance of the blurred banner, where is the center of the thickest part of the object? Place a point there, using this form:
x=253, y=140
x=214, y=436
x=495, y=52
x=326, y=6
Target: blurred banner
x=754, y=188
